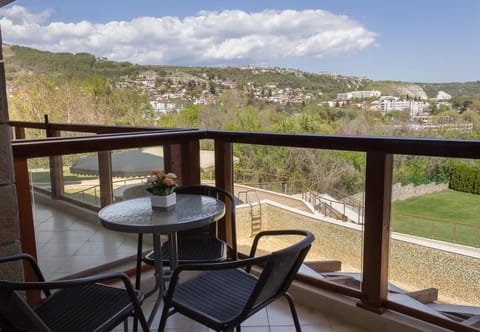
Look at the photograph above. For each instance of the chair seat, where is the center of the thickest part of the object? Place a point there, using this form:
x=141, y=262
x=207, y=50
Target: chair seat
x=70, y=309
x=193, y=250
x=212, y=295
x=223, y=295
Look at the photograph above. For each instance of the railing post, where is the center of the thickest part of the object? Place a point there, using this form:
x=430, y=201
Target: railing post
x=105, y=175
x=172, y=158
x=19, y=132
x=190, y=161
x=224, y=179
x=25, y=215
x=378, y=195
x=56, y=165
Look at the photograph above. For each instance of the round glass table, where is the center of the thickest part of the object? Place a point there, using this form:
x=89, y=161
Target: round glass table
x=137, y=216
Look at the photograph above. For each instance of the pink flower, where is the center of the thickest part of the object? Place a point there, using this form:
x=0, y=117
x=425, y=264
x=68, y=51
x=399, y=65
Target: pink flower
x=161, y=183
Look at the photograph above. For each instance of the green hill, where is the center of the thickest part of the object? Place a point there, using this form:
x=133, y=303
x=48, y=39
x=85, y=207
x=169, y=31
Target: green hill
x=21, y=60
x=25, y=61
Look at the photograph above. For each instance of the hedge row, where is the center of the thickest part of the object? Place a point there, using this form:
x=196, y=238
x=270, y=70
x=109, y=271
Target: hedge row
x=465, y=178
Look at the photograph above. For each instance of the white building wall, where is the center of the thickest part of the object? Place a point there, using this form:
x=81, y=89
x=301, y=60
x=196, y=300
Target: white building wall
x=358, y=94
x=415, y=108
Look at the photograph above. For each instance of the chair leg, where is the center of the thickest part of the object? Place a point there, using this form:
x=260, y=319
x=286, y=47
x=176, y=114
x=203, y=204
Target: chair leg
x=138, y=273
x=143, y=323
x=294, y=312
x=163, y=319
x=138, y=316
x=125, y=325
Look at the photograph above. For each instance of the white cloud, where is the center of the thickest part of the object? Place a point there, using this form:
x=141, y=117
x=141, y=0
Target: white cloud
x=209, y=38
x=20, y=16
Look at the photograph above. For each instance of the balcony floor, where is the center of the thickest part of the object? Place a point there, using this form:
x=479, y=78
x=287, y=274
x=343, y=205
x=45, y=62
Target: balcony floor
x=68, y=244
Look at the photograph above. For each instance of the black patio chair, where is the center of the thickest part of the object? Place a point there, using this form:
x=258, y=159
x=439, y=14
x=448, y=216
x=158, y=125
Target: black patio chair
x=223, y=295
x=202, y=244
x=81, y=304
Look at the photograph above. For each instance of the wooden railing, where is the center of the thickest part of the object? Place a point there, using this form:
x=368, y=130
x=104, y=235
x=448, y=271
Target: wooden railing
x=182, y=148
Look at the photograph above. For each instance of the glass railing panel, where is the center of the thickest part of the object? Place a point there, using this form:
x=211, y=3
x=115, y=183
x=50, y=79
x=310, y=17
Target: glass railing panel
x=325, y=198
x=70, y=239
x=81, y=184
x=39, y=171
x=435, y=240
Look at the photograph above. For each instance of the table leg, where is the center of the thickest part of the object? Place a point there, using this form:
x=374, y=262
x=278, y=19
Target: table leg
x=173, y=251
x=138, y=271
x=139, y=261
x=157, y=252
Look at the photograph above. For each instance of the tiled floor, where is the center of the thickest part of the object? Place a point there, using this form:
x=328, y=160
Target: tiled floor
x=67, y=244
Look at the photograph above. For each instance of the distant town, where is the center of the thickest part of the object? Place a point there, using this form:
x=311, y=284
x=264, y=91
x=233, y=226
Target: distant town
x=177, y=93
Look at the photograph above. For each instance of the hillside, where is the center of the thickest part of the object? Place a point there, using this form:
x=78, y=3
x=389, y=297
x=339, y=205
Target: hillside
x=25, y=61
x=398, y=89
x=21, y=60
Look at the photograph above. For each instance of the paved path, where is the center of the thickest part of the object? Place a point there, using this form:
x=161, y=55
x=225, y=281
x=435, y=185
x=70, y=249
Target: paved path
x=255, y=195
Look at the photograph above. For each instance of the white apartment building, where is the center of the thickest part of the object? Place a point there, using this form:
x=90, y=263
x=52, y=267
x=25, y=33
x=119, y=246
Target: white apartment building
x=358, y=95
x=389, y=103
x=162, y=107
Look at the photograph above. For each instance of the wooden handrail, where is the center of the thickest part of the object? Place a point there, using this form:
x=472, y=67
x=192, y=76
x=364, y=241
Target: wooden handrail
x=392, y=145
x=103, y=142
x=82, y=128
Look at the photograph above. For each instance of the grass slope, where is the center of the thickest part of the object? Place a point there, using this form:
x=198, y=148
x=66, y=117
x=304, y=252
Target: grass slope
x=447, y=216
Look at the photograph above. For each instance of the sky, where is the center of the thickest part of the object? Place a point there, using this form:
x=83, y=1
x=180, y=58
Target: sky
x=409, y=40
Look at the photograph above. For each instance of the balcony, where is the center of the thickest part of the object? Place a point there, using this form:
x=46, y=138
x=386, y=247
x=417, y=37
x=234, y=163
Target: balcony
x=373, y=239
x=70, y=244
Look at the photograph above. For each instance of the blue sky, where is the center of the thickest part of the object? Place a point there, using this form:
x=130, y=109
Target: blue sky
x=410, y=40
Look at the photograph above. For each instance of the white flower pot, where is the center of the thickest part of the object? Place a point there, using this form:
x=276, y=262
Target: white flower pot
x=164, y=202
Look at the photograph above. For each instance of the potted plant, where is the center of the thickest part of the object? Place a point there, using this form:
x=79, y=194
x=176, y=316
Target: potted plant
x=162, y=187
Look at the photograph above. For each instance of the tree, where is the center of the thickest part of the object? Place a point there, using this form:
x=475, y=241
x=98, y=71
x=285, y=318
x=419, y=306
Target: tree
x=212, y=89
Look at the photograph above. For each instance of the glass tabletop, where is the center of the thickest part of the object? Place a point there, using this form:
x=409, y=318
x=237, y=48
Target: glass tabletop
x=137, y=216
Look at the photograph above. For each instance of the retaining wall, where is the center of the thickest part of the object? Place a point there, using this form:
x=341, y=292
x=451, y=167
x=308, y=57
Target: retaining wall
x=400, y=192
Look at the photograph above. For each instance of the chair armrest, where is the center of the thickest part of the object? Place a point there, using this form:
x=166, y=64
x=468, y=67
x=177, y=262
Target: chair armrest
x=221, y=265
x=212, y=267
x=78, y=282
x=29, y=259
x=276, y=232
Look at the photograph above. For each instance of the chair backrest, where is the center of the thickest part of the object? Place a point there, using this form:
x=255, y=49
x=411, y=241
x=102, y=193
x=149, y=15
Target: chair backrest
x=15, y=314
x=211, y=230
x=280, y=269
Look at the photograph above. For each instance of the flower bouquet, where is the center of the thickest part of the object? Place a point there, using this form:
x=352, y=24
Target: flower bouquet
x=162, y=187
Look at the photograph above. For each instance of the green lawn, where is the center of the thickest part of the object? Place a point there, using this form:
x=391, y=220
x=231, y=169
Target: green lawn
x=448, y=216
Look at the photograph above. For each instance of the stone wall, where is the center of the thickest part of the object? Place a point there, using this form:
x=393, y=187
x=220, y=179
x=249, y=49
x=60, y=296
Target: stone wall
x=400, y=193
x=9, y=225
x=412, y=266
